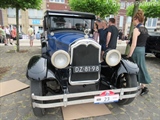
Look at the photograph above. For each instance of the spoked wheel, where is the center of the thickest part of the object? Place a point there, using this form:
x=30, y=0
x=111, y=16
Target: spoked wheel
x=37, y=88
x=127, y=81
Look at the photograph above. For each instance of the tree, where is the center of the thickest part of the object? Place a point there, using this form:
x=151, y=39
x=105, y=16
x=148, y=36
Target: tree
x=20, y=4
x=151, y=9
x=133, y=12
x=100, y=8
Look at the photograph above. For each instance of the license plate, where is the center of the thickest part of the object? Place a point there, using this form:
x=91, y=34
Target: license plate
x=83, y=69
x=106, y=99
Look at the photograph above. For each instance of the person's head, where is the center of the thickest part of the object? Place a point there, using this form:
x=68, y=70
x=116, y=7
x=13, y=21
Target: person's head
x=98, y=20
x=31, y=26
x=14, y=27
x=138, y=17
x=95, y=25
x=155, y=30
x=7, y=26
x=104, y=23
x=2, y=27
x=112, y=21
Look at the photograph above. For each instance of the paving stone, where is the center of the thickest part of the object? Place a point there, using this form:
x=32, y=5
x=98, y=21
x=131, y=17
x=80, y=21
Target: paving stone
x=105, y=117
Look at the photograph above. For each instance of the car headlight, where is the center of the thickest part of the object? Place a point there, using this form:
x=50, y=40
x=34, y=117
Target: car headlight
x=60, y=59
x=112, y=57
x=52, y=33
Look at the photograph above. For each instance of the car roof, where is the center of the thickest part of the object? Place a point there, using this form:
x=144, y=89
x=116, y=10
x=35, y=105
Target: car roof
x=70, y=13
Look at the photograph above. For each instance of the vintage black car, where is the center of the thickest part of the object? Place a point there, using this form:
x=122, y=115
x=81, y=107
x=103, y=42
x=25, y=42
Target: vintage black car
x=69, y=70
x=153, y=44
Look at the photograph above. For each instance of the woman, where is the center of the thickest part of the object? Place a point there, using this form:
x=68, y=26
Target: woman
x=137, y=50
x=14, y=33
x=8, y=34
x=95, y=33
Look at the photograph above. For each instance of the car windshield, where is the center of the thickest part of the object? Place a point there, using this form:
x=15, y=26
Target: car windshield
x=59, y=22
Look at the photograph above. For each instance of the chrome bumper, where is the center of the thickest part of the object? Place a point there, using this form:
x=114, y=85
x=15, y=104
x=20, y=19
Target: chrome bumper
x=65, y=102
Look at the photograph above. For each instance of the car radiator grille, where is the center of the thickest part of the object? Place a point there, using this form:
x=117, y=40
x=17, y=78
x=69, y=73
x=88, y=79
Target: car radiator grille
x=85, y=55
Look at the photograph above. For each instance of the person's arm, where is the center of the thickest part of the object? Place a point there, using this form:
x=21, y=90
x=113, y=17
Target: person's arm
x=108, y=38
x=108, y=35
x=136, y=33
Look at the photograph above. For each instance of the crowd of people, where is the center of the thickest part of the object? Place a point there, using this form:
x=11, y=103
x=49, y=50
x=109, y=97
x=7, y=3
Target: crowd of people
x=108, y=35
x=7, y=35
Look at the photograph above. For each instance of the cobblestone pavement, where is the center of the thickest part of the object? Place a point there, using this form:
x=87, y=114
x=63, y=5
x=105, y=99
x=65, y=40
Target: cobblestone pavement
x=17, y=106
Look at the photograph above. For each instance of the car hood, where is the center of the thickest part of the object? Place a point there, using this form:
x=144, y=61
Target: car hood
x=62, y=40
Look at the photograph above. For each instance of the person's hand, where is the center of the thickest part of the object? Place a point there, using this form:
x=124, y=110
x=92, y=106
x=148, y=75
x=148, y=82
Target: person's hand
x=127, y=41
x=128, y=56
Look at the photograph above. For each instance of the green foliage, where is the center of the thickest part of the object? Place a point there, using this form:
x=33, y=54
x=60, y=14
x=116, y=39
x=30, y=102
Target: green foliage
x=101, y=8
x=21, y=4
x=151, y=9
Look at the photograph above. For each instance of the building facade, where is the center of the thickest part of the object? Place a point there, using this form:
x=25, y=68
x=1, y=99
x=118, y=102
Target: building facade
x=1, y=19
x=26, y=18
x=57, y=5
x=123, y=21
x=35, y=17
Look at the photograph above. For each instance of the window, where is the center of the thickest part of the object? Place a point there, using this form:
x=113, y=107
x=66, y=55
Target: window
x=122, y=5
x=33, y=13
x=121, y=21
x=12, y=12
x=57, y=1
x=58, y=22
x=128, y=4
x=129, y=19
x=154, y=22
x=151, y=22
x=111, y=16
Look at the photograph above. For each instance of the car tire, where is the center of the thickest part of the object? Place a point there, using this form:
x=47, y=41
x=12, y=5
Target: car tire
x=130, y=80
x=157, y=55
x=37, y=88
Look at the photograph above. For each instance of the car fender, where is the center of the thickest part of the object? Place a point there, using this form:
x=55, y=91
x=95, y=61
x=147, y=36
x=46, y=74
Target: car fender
x=127, y=66
x=37, y=69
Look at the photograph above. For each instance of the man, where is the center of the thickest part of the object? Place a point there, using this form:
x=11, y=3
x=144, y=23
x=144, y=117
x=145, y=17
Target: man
x=3, y=35
x=38, y=35
x=31, y=35
x=112, y=35
x=103, y=36
x=120, y=34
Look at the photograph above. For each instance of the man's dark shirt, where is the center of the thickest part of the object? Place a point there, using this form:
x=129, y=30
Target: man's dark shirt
x=120, y=35
x=114, y=34
x=103, y=35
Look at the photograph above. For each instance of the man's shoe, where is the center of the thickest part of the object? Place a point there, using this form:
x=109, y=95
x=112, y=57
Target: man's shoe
x=144, y=91
x=11, y=43
x=5, y=44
